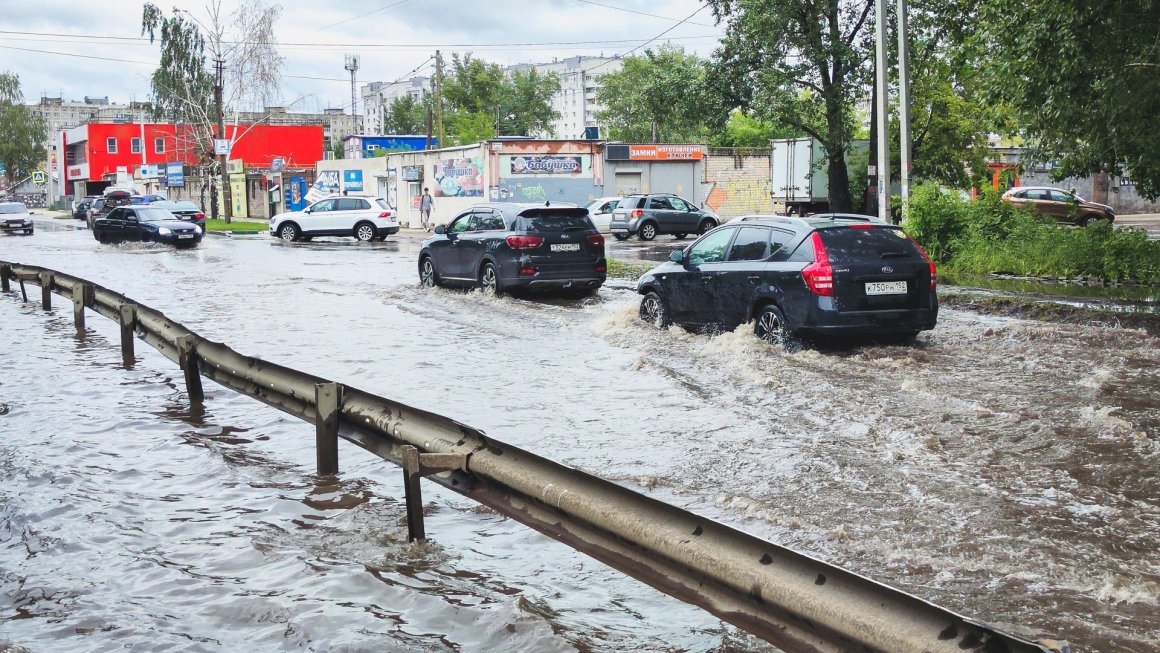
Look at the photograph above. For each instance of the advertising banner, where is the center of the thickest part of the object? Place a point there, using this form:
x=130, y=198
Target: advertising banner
x=546, y=165
x=459, y=177
x=238, y=204
x=664, y=152
x=174, y=174
x=352, y=180
x=325, y=185
x=412, y=173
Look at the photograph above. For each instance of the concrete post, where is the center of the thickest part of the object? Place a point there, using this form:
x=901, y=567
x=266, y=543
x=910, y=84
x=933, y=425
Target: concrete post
x=82, y=297
x=413, y=493
x=5, y=271
x=187, y=358
x=327, y=401
x=46, y=290
x=128, y=321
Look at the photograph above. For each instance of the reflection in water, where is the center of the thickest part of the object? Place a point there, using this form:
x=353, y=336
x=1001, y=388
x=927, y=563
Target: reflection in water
x=1003, y=468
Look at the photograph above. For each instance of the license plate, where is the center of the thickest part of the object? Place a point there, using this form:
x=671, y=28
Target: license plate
x=566, y=247
x=185, y=235
x=886, y=288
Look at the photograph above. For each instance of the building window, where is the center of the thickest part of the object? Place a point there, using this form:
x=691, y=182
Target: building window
x=111, y=144
x=135, y=145
x=159, y=145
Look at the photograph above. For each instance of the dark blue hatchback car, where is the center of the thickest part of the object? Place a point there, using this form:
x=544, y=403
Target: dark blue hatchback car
x=500, y=247
x=821, y=275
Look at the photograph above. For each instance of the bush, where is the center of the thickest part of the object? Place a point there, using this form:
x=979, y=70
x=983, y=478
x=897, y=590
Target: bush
x=989, y=235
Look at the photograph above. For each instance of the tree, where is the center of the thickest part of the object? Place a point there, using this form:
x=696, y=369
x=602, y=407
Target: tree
x=23, y=132
x=526, y=107
x=242, y=44
x=481, y=101
x=659, y=97
x=1083, y=78
x=407, y=115
x=743, y=130
x=800, y=63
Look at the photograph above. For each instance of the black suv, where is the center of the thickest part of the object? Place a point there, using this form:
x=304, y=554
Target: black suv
x=823, y=274
x=506, y=246
x=649, y=214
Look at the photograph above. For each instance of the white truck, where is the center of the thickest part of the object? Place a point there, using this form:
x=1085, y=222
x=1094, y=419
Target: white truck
x=800, y=174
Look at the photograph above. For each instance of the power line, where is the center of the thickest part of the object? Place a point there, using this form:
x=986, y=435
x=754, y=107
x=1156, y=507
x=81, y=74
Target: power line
x=380, y=9
x=625, y=54
x=639, y=13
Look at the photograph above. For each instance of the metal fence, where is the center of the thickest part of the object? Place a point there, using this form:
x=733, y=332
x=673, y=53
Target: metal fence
x=787, y=598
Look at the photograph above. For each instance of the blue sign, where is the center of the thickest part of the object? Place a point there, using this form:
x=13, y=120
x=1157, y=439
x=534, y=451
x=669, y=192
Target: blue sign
x=352, y=180
x=174, y=174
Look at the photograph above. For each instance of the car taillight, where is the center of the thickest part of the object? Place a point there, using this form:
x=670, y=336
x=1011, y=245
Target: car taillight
x=636, y=213
x=199, y=216
x=861, y=226
x=933, y=271
x=385, y=214
x=819, y=275
x=601, y=267
x=596, y=240
x=527, y=272
x=525, y=242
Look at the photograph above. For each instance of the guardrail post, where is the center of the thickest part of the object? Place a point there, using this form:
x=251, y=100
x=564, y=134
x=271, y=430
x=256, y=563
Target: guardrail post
x=187, y=358
x=46, y=290
x=5, y=271
x=413, y=494
x=327, y=401
x=82, y=297
x=128, y=321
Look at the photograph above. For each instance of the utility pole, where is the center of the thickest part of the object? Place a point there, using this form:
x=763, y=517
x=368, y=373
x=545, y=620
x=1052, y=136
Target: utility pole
x=219, y=80
x=904, y=103
x=439, y=96
x=882, y=106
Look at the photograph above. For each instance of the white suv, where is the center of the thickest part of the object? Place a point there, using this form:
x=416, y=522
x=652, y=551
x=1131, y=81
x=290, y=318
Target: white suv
x=363, y=217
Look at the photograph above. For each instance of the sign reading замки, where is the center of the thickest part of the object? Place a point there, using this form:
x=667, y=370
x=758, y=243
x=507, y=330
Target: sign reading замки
x=662, y=152
x=546, y=165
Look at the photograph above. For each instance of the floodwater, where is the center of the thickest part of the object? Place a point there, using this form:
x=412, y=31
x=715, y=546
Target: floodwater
x=1002, y=468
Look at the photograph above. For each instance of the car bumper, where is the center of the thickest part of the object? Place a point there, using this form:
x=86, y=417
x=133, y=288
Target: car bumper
x=621, y=227
x=383, y=232
x=12, y=225
x=177, y=241
x=907, y=320
x=569, y=277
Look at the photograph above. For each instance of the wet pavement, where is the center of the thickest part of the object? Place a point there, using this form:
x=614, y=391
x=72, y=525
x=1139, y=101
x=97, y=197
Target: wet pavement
x=1005, y=469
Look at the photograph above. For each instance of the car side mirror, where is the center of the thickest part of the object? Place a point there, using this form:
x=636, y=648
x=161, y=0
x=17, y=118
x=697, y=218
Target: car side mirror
x=440, y=230
x=678, y=256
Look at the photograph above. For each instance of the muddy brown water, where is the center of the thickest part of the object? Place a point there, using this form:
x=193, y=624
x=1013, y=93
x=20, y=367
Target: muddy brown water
x=1002, y=468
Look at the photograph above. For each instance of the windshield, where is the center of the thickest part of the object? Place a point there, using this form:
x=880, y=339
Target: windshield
x=13, y=207
x=561, y=220
x=154, y=215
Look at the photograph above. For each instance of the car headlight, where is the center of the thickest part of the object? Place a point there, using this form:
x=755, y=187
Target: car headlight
x=164, y=231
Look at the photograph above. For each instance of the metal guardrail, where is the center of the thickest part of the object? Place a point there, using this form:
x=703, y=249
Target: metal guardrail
x=796, y=602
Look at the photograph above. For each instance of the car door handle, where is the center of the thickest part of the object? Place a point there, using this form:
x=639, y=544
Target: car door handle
x=754, y=278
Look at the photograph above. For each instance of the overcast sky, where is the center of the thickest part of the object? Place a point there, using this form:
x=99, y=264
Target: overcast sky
x=77, y=49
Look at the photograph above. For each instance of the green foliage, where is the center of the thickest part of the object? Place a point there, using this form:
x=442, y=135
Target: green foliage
x=989, y=235
x=799, y=63
x=481, y=101
x=406, y=115
x=182, y=86
x=744, y=130
x=662, y=96
x=1083, y=77
x=22, y=132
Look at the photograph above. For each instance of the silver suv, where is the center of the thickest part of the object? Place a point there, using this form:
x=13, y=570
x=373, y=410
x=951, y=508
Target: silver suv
x=363, y=217
x=649, y=214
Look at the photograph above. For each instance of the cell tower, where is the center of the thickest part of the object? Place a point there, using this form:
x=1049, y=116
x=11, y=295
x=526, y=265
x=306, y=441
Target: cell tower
x=352, y=66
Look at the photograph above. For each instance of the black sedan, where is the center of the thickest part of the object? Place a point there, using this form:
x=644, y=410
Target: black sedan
x=500, y=247
x=183, y=210
x=145, y=224
x=81, y=210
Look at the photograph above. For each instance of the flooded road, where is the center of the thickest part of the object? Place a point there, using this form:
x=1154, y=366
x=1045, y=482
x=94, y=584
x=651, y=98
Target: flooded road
x=1002, y=468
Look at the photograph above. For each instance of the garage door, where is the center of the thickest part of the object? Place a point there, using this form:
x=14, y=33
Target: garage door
x=627, y=183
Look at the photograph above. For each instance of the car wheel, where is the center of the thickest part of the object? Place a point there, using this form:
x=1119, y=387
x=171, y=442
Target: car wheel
x=427, y=274
x=680, y=236
x=655, y=310
x=1087, y=219
x=364, y=232
x=288, y=232
x=620, y=236
x=648, y=231
x=770, y=326
x=489, y=280
x=705, y=226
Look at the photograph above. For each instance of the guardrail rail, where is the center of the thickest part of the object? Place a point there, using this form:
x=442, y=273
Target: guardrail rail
x=790, y=599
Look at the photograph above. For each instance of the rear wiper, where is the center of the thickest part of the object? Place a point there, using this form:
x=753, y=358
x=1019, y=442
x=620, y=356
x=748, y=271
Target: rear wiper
x=895, y=255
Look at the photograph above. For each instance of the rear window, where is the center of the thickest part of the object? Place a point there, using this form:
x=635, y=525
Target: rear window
x=548, y=220
x=851, y=244
x=382, y=203
x=631, y=202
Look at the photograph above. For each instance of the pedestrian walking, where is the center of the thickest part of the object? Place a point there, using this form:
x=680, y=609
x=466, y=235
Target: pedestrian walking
x=426, y=203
